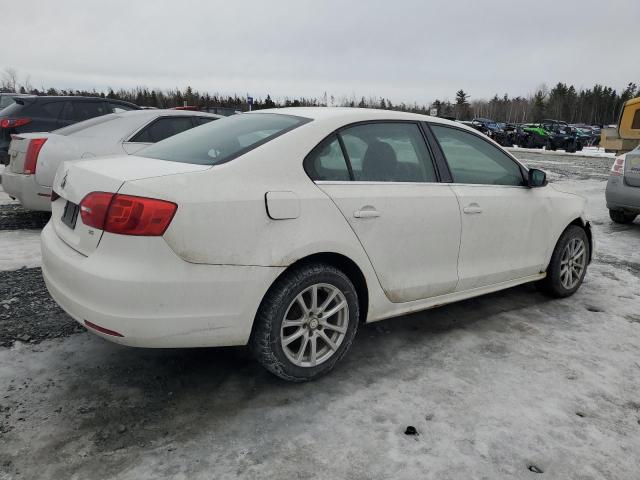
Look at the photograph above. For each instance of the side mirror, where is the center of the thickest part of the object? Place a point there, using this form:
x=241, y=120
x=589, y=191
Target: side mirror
x=537, y=178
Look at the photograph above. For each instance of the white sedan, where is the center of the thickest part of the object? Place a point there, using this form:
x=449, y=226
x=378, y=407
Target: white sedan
x=35, y=157
x=284, y=229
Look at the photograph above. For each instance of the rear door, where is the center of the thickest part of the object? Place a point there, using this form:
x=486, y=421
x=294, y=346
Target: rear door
x=382, y=178
x=505, y=232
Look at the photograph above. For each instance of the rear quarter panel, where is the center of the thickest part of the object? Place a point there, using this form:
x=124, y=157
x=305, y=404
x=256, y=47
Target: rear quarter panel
x=222, y=217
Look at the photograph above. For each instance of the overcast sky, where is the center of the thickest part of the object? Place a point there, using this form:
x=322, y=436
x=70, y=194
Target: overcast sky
x=405, y=50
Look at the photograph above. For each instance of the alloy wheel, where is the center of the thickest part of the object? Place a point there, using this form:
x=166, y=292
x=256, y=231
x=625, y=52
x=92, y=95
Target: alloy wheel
x=314, y=325
x=573, y=263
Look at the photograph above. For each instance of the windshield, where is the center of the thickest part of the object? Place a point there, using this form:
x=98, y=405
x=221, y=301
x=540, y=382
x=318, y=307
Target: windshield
x=223, y=140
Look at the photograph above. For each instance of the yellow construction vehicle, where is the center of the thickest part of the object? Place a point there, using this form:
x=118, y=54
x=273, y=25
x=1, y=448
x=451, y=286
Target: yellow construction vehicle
x=626, y=136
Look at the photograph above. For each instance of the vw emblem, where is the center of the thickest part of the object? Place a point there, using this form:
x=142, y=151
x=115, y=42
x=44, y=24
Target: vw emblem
x=64, y=179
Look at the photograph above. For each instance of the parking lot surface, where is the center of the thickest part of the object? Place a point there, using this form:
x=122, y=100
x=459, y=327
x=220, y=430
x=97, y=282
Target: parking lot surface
x=500, y=386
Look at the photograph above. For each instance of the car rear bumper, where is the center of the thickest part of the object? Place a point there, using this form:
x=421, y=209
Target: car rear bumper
x=139, y=288
x=621, y=196
x=25, y=188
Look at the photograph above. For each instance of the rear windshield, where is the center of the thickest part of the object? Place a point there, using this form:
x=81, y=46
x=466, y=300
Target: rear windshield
x=5, y=101
x=92, y=122
x=223, y=140
x=13, y=109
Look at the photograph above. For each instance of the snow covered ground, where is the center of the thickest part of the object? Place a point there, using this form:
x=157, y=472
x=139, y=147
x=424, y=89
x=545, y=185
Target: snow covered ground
x=4, y=198
x=19, y=248
x=596, y=152
x=494, y=386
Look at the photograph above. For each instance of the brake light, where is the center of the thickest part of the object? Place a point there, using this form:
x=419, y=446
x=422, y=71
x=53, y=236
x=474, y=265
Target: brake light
x=127, y=214
x=618, y=166
x=31, y=157
x=93, y=209
x=14, y=122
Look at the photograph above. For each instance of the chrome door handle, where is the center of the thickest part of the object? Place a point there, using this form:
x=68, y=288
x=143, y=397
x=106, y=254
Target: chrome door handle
x=368, y=213
x=472, y=208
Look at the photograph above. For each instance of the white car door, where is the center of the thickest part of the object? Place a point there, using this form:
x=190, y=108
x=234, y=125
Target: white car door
x=505, y=224
x=382, y=178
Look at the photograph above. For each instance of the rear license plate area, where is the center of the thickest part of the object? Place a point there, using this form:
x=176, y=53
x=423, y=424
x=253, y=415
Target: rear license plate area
x=70, y=215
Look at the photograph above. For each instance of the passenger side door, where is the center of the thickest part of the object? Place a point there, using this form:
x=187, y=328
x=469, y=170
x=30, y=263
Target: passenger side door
x=383, y=179
x=504, y=222
x=157, y=130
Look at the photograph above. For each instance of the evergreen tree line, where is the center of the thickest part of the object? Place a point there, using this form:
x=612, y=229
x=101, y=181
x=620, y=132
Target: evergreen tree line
x=599, y=105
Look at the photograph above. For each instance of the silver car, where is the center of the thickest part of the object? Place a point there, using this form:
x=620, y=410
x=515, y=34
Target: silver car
x=623, y=188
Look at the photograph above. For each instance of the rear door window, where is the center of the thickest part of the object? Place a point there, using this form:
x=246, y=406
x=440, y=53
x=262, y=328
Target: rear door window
x=474, y=160
x=388, y=152
x=67, y=116
x=163, y=128
x=5, y=101
x=52, y=109
x=326, y=161
x=86, y=110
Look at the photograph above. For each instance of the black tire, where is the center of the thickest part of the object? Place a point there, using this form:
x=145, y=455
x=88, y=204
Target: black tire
x=571, y=147
x=530, y=142
x=265, y=342
x=552, y=284
x=619, y=216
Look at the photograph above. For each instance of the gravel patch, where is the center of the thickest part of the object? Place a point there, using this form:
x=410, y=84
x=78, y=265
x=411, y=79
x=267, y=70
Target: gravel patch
x=14, y=217
x=27, y=312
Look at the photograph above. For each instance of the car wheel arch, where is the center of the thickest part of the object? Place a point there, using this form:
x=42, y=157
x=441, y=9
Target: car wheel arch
x=343, y=263
x=586, y=226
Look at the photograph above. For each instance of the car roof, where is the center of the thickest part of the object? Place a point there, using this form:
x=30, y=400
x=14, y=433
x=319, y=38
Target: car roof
x=352, y=115
x=164, y=112
x=43, y=98
x=114, y=125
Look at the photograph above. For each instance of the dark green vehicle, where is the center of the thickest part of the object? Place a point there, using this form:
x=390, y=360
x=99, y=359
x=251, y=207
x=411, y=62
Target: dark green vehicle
x=550, y=134
x=531, y=135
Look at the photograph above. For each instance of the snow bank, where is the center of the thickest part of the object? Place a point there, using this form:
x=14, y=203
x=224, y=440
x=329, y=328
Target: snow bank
x=4, y=198
x=19, y=248
x=585, y=152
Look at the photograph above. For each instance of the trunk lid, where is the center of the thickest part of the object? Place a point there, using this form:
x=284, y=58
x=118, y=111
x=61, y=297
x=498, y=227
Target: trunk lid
x=75, y=179
x=632, y=168
x=50, y=156
x=18, y=150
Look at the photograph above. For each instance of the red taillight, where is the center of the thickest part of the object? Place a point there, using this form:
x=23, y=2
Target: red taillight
x=31, y=157
x=127, y=214
x=93, y=209
x=618, y=166
x=14, y=122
